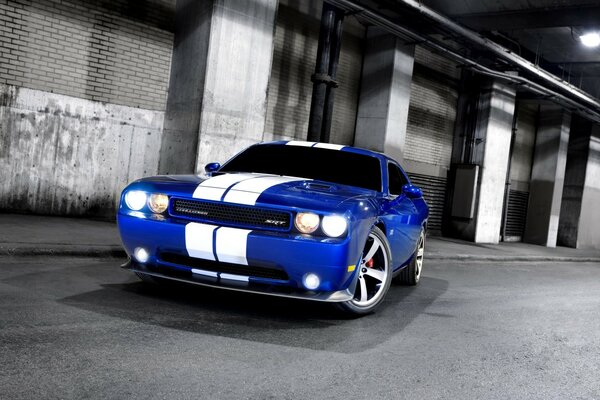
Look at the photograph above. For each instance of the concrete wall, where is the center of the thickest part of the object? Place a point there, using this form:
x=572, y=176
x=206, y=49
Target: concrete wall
x=385, y=94
x=65, y=155
x=237, y=70
x=579, y=224
x=290, y=85
x=589, y=225
x=547, y=176
x=82, y=97
x=522, y=155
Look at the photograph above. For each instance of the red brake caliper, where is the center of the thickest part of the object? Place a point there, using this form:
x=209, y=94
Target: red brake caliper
x=370, y=263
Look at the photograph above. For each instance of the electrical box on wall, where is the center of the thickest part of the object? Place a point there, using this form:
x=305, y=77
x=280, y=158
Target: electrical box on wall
x=465, y=190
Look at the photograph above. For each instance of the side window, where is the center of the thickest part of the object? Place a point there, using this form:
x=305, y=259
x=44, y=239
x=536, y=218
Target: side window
x=396, y=179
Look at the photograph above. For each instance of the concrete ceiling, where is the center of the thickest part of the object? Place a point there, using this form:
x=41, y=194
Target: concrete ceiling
x=547, y=29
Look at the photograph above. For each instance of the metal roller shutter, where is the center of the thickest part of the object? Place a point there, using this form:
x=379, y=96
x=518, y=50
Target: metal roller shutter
x=434, y=192
x=430, y=129
x=516, y=215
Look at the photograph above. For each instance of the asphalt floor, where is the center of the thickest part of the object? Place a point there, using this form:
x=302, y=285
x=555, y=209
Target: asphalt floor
x=74, y=328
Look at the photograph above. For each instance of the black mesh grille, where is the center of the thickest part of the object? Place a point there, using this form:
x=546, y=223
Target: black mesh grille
x=214, y=266
x=232, y=214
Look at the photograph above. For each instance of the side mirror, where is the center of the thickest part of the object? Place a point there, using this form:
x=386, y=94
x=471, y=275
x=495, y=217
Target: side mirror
x=411, y=191
x=212, y=167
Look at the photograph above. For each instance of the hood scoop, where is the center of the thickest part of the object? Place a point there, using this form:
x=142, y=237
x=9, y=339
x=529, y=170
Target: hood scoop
x=318, y=186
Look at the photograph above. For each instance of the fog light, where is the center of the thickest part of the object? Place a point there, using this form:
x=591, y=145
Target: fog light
x=311, y=281
x=141, y=254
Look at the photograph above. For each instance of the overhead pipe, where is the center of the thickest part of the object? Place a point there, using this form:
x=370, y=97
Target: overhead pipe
x=586, y=105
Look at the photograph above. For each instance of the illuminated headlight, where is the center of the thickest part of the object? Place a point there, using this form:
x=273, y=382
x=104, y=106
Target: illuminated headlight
x=334, y=225
x=311, y=281
x=136, y=199
x=158, y=203
x=307, y=222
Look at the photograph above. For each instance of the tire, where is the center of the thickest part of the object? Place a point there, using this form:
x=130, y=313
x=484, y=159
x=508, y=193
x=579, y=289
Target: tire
x=411, y=274
x=375, y=275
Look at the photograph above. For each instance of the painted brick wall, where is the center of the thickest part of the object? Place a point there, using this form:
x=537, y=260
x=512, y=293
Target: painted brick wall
x=117, y=52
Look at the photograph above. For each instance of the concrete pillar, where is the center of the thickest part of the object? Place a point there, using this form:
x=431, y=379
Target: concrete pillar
x=579, y=224
x=496, y=111
x=547, y=176
x=385, y=94
x=219, y=76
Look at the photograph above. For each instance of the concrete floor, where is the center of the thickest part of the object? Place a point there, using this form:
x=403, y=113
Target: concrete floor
x=83, y=328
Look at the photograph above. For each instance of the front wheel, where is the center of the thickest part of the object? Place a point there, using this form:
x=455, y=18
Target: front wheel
x=374, y=275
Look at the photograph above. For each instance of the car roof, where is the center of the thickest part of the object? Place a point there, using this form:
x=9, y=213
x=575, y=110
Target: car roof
x=350, y=149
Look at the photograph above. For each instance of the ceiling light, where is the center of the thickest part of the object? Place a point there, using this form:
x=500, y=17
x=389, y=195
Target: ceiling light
x=591, y=39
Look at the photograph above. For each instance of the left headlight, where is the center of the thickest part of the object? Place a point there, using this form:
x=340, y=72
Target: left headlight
x=334, y=225
x=158, y=202
x=136, y=199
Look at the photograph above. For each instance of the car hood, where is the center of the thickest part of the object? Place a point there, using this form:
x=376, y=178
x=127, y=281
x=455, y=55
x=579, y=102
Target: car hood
x=262, y=189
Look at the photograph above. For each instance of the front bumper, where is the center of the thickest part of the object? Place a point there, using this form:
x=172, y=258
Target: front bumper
x=333, y=260
x=241, y=286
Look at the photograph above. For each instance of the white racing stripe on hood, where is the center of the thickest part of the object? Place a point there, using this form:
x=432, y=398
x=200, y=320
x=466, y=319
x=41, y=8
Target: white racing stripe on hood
x=214, y=188
x=247, y=192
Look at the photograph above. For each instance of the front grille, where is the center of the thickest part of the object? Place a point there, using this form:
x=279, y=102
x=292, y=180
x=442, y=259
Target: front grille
x=231, y=214
x=216, y=266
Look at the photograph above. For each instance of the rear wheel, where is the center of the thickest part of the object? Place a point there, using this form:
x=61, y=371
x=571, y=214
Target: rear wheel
x=374, y=275
x=411, y=274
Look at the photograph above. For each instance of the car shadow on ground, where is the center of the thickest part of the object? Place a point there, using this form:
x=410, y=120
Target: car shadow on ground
x=265, y=319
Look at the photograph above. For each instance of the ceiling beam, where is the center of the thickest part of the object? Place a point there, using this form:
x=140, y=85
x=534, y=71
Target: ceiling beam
x=573, y=16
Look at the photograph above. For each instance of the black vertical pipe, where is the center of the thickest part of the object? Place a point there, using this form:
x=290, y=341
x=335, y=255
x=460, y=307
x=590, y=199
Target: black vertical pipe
x=336, y=45
x=320, y=77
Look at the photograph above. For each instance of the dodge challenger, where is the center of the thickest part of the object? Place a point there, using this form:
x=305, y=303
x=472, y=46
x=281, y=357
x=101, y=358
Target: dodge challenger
x=314, y=221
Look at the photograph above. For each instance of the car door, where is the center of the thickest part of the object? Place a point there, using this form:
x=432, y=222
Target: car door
x=401, y=217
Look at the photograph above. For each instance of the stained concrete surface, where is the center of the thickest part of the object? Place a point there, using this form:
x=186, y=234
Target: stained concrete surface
x=83, y=328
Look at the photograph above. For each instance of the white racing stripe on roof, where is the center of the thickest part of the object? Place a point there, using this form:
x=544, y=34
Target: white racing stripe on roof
x=199, y=240
x=247, y=192
x=300, y=143
x=213, y=188
x=231, y=245
x=329, y=146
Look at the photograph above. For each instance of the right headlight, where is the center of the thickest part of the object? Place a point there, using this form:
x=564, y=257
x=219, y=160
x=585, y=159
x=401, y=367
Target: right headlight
x=136, y=199
x=306, y=222
x=334, y=225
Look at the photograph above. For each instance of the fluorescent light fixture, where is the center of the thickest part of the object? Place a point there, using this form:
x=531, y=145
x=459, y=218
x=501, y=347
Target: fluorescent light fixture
x=590, y=39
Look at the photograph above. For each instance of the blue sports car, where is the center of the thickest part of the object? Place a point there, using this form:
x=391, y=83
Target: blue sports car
x=313, y=221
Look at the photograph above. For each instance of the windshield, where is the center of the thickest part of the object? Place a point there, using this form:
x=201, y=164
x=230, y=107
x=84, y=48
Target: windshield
x=310, y=162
